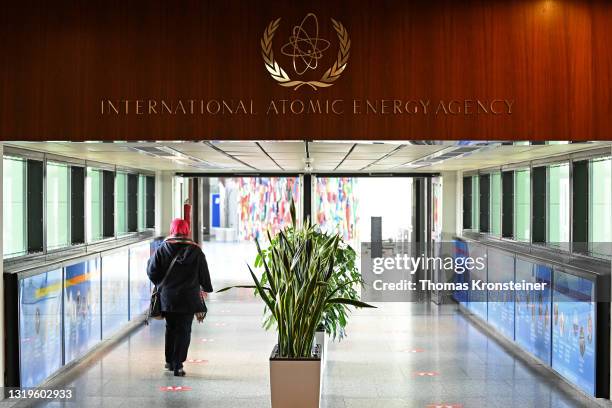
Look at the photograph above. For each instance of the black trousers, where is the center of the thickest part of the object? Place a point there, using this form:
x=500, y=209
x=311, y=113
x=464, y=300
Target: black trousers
x=178, y=337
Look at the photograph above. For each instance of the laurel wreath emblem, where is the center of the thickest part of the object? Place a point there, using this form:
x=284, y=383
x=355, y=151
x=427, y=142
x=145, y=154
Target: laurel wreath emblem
x=329, y=76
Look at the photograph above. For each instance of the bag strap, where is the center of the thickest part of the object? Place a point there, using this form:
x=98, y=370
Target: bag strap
x=171, y=265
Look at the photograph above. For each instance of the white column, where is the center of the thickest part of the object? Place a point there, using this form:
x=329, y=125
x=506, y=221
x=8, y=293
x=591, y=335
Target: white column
x=163, y=201
x=459, y=201
x=2, y=328
x=451, y=205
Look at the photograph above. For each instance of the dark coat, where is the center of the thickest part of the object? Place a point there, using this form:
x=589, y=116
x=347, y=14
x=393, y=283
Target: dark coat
x=180, y=293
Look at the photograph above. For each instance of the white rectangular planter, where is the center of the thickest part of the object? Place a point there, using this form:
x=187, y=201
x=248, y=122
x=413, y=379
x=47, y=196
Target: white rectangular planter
x=295, y=383
x=321, y=338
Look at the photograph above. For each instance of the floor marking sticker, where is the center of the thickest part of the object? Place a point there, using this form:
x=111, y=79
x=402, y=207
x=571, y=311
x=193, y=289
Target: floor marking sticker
x=426, y=373
x=175, y=388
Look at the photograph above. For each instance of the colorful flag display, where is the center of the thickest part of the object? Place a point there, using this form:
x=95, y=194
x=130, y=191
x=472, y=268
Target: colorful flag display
x=336, y=206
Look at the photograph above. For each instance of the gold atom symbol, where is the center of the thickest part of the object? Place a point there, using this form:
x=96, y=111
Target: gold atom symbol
x=305, y=49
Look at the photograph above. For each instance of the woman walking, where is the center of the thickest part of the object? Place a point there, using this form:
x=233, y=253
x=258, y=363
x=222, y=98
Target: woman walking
x=179, y=270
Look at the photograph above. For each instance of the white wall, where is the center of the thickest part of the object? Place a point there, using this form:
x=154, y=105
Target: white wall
x=163, y=201
x=451, y=204
x=2, y=328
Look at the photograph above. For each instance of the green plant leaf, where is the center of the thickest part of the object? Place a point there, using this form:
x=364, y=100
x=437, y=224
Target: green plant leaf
x=352, y=302
x=261, y=290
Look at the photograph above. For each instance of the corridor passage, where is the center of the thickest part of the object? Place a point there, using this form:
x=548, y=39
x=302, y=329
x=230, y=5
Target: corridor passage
x=399, y=355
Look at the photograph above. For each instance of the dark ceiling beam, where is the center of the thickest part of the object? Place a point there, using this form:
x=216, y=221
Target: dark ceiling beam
x=269, y=157
x=345, y=157
x=392, y=152
x=212, y=146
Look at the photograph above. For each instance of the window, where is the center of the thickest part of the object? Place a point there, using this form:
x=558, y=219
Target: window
x=475, y=203
x=558, y=210
x=484, y=187
x=121, y=225
x=495, y=204
x=507, y=226
x=142, y=202
x=600, y=206
x=181, y=194
x=57, y=204
x=13, y=207
x=93, y=209
x=467, y=203
x=522, y=205
x=150, y=201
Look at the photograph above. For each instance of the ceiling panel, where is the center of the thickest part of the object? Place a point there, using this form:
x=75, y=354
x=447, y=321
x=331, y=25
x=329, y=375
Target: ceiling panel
x=321, y=147
x=284, y=147
x=291, y=155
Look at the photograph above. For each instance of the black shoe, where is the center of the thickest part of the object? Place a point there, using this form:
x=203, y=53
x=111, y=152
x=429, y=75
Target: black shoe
x=179, y=373
x=168, y=367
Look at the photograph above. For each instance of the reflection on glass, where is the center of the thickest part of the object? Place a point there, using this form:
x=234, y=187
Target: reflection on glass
x=534, y=310
x=81, y=308
x=336, y=205
x=141, y=202
x=93, y=204
x=522, y=205
x=495, y=203
x=13, y=207
x=58, y=205
x=114, y=292
x=573, y=331
x=475, y=203
x=40, y=342
x=140, y=288
x=121, y=225
x=500, y=266
x=558, y=205
x=600, y=207
x=347, y=204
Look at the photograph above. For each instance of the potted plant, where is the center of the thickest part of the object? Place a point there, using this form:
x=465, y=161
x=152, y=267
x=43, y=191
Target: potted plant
x=344, y=280
x=298, y=271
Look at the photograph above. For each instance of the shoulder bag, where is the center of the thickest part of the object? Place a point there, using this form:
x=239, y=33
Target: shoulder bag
x=155, y=311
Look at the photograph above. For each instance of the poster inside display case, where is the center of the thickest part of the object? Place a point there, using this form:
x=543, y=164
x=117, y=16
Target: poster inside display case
x=534, y=310
x=573, y=334
x=81, y=308
x=500, y=267
x=115, y=280
x=140, y=286
x=478, y=298
x=460, y=251
x=40, y=308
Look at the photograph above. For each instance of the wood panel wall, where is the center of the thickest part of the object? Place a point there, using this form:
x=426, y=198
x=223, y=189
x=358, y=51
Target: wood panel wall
x=60, y=59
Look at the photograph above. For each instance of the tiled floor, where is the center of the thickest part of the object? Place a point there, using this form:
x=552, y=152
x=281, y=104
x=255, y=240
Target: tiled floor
x=376, y=366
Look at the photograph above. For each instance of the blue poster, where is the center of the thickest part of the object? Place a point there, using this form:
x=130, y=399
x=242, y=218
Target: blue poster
x=501, y=302
x=478, y=298
x=534, y=310
x=40, y=308
x=573, y=338
x=215, y=200
x=114, y=292
x=140, y=287
x=81, y=308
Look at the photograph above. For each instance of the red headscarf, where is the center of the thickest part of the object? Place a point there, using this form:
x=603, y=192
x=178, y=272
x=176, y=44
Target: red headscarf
x=179, y=226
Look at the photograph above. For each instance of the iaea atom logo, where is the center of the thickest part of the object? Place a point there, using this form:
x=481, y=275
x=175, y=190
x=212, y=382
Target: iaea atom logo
x=306, y=49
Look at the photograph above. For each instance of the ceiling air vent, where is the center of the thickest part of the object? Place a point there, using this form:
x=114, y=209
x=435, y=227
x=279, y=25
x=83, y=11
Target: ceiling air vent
x=154, y=151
